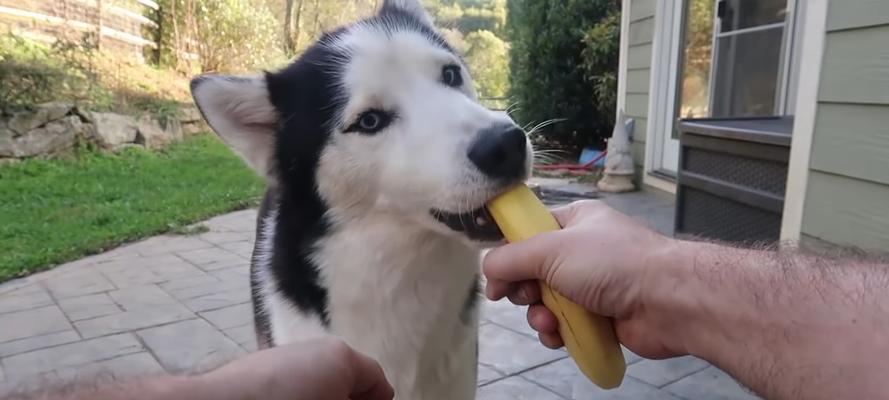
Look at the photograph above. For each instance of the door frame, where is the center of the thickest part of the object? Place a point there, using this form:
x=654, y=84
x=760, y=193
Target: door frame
x=662, y=92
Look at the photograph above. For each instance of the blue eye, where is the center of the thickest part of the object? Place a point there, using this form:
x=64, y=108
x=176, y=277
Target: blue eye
x=451, y=76
x=371, y=122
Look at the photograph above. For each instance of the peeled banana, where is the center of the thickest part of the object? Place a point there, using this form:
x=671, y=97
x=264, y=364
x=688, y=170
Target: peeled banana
x=590, y=339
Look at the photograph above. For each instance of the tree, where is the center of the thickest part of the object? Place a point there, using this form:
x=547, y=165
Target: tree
x=552, y=78
x=488, y=58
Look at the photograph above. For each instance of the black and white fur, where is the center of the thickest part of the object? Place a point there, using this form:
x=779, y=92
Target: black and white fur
x=379, y=161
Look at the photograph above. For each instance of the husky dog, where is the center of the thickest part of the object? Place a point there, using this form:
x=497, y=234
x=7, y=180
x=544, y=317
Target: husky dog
x=379, y=161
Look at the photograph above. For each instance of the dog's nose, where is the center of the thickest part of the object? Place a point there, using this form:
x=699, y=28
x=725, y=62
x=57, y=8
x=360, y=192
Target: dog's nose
x=500, y=152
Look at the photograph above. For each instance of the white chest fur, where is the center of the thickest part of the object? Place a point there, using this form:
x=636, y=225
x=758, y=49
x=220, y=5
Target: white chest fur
x=397, y=296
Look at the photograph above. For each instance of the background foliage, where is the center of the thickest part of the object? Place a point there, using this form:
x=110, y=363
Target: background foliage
x=563, y=60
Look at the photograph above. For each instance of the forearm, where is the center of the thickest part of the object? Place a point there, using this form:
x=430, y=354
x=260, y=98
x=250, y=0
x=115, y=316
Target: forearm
x=161, y=387
x=786, y=325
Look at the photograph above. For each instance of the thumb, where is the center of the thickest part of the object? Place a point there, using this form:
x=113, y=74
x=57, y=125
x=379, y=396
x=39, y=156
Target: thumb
x=522, y=261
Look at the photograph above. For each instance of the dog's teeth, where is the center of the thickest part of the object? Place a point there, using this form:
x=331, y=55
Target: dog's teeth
x=480, y=221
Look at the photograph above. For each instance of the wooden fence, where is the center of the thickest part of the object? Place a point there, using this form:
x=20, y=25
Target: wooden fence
x=116, y=25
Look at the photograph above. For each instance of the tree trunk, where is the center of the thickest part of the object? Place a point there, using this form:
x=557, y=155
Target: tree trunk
x=288, y=38
x=299, y=15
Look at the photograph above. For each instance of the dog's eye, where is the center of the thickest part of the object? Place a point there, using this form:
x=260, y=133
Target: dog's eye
x=450, y=75
x=370, y=122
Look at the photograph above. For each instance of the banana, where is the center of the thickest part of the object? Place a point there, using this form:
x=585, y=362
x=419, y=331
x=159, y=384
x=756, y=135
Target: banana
x=590, y=339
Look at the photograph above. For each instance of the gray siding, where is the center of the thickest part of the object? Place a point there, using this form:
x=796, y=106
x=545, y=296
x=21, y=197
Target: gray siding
x=847, y=199
x=640, y=33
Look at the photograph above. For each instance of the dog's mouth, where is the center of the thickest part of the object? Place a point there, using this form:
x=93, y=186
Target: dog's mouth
x=477, y=225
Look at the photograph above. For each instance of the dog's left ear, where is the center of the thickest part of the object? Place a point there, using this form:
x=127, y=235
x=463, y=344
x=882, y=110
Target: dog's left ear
x=412, y=7
x=238, y=109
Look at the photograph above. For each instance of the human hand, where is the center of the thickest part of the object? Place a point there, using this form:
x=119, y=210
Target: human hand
x=601, y=260
x=323, y=369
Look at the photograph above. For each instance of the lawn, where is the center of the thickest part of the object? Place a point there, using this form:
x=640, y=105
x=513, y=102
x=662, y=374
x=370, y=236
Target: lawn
x=53, y=211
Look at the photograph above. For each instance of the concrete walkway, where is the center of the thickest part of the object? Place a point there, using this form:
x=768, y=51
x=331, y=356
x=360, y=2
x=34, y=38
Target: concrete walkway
x=181, y=304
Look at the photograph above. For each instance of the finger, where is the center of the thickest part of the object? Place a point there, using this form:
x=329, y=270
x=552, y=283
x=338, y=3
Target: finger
x=551, y=340
x=497, y=289
x=542, y=319
x=525, y=293
x=523, y=261
x=569, y=215
x=369, y=380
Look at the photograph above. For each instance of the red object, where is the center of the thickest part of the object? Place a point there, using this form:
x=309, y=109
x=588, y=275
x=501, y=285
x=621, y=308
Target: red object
x=573, y=167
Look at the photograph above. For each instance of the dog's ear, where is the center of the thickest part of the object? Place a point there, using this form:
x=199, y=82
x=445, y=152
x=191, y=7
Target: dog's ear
x=238, y=109
x=412, y=7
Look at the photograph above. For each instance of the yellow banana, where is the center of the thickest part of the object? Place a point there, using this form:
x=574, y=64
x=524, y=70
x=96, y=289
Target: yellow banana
x=589, y=338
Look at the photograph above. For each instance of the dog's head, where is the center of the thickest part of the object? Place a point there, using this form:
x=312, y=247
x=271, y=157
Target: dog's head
x=377, y=117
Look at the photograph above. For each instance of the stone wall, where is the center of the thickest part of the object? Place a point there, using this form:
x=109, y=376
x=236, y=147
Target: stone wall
x=54, y=128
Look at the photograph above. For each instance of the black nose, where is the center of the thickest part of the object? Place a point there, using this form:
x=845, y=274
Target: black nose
x=500, y=152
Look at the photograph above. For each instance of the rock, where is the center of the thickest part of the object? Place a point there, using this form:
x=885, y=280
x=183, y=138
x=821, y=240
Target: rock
x=111, y=131
x=189, y=113
x=54, y=137
x=172, y=127
x=193, y=128
x=24, y=121
x=151, y=135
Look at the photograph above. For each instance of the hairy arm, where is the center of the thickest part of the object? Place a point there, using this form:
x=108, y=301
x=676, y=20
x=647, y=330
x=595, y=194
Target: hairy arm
x=788, y=325
x=321, y=369
x=785, y=324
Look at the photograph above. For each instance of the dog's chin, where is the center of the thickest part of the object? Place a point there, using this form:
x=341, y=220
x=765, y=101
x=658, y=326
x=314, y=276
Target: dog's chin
x=476, y=225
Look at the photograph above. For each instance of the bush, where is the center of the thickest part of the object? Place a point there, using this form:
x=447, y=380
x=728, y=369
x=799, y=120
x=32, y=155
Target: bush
x=227, y=35
x=560, y=59
x=32, y=73
x=488, y=59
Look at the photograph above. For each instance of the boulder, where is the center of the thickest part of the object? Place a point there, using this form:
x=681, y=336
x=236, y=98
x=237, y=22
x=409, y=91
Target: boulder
x=54, y=137
x=111, y=131
x=24, y=121
x=151, y=135
x=188, y=113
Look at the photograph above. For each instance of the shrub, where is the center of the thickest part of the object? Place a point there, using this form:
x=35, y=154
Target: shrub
x=560, y=59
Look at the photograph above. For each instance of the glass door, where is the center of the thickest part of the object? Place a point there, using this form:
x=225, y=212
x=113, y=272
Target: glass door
x=749, y=58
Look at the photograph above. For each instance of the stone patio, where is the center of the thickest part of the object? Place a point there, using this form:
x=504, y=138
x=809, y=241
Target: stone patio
x=181, y=304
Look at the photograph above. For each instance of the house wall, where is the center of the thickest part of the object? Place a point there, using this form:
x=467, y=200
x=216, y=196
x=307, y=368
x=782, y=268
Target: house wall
x=641, y=32
x=847, y=195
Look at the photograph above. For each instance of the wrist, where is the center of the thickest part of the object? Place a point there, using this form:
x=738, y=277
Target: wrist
x=671, y=294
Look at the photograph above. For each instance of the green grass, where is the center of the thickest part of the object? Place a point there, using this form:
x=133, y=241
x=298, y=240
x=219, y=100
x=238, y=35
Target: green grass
x=53, y=211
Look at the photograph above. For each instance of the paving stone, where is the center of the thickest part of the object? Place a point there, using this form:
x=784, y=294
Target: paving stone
x=629, y=356
x=194, y=286
x=169, y=244
x=176, y=269
x=211, y=258
x=37, y=342
x=515, y=388
x=2, y=375
x=230, y=317
x=663, y=372
x=487, y=374
x=29, y=387
x=40, y=321
x=712, y=384
x=77, y=283
x=558, y=376
x=89, y=306
x=24, y=301
x=630, y=389
x=70, y=355
x=250, y=346
x=508, y=315
x=218, y=300
x=132, y=320
x=131, y=365
x=189, y=346
x=242, y=335
x=129, y=273
x=20, y=286
x=243, y=249
x=510, y=352
x=239, y=274
x=141, y=297
x=219, y=238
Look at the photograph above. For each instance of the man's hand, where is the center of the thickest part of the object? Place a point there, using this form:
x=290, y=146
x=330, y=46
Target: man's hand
x=601, y=260
x=324, y=369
